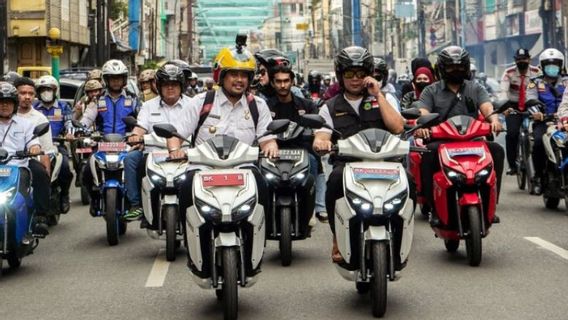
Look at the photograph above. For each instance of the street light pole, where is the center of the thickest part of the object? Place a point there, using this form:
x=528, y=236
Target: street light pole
x=55, y=50
x=280, y=35
x=421, y=29
x=3, y=34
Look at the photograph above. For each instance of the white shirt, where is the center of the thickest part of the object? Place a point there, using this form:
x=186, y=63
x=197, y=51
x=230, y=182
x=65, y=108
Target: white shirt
x=37, y=118
x=390, y=94
x=228, y=119
x=156, y=111
x=14, y=135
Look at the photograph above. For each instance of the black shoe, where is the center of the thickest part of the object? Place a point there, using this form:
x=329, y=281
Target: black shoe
x=496, y=219
x=512, y=172
x=39, y=229
x=322, y=217
x=65, y=204
x=144, y=224
x=93, y=210
x=537, y=188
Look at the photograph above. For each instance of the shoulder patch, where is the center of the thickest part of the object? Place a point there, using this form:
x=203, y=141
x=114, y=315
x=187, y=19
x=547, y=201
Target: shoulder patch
x=128, y=102
x=541, y=86
x=531, y=85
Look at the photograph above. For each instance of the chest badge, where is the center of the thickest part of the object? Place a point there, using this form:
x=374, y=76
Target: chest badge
x=367, y=106
x=247, y=115
x=212, y=129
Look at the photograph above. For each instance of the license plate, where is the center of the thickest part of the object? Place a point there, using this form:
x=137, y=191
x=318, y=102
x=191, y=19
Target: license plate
x=84, y=150
x=376, y=174
x=461, y=152
x=5, y=172
x=112, y=146
x=290, y=154
x=223, y=180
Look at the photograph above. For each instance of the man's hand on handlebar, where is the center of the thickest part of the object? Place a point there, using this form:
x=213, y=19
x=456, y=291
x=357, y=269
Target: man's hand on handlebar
x=35, y=150
x=423, y=133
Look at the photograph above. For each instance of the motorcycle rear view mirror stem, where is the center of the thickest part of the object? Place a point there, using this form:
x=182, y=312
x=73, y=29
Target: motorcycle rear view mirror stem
x=424, y=121
x=39, y=131
x=166, y=130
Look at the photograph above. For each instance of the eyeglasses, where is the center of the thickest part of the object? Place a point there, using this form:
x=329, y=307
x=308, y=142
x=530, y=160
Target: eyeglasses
x=262, y=72
x=350, y=74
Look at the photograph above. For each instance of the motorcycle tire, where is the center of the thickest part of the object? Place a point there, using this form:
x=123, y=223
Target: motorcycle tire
x=285, y=236
x=122, y=227
x=14, y=261
x=473, y=240
x=111, y=217
x=229, y=287
x=85, y=198
x=521, y=169
x=170, y=215
x=53, y=219
x=379, y=280
x=452, y=245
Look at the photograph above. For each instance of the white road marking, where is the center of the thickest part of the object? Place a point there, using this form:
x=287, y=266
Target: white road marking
x=549, y=246
x=159, y=271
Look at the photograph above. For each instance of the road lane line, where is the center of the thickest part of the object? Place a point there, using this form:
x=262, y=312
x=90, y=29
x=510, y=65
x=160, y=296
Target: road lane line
x=159, y=271
x=549, y=246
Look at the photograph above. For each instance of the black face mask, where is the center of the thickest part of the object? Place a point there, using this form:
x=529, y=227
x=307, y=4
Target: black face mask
x=456, y=77
x=421, y=85
x=522, y=65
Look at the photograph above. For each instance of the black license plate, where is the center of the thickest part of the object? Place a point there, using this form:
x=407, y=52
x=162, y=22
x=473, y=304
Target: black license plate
x=291, y=154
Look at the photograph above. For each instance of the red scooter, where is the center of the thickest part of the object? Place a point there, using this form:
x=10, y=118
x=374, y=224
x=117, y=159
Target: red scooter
x=465, y=192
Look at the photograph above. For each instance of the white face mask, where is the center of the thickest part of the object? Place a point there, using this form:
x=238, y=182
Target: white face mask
x=47, y=96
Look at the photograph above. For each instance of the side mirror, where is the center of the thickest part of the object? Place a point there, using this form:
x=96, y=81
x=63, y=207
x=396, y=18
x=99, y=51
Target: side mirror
x=533, y=102
x=41, y=129
x=130, y=121
x=165, y=130
x=314, y=121
x=77, y=124
x=3, y=154
x=428, y=120
x=411, y=113
x=501, y=106
x=278, y=126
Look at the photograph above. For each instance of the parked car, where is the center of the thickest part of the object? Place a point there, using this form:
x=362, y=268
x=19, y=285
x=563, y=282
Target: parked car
x=33, y=72
x=81, y=73
x=68, y=89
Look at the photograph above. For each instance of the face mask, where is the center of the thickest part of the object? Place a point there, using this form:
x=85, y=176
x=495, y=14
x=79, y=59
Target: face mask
x=551, y=70
x=47, y=96
x=421, y=85
x=456, y=77
x=522, y=65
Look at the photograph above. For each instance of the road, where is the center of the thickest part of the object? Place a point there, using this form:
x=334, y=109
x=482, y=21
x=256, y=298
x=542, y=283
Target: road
x=74, y=275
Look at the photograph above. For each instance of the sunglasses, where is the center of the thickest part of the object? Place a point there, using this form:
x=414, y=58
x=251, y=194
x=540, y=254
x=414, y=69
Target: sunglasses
x=350, y=74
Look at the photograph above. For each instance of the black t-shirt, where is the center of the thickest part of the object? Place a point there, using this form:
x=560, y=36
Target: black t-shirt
x=286, y=110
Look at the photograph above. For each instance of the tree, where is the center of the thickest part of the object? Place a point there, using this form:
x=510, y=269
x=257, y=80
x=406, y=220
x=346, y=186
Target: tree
x=118, y=9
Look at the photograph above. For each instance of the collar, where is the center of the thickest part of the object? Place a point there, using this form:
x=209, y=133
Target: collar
x=220, y=94
x=445, y=86
x=107, y=94
x=53, y=105
x=177, y=104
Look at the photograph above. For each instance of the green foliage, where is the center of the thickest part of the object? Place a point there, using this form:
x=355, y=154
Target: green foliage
x=118, y=9
x=150, y=64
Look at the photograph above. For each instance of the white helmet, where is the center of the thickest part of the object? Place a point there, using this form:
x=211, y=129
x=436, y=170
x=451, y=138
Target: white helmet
x=193, y=76
x=47, y=81
x=114, y=67
x=472, y=67
x=551, y=55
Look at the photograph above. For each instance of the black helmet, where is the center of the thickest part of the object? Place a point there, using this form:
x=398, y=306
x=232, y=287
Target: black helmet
x=184, y=66
x=452, y=55
x=10, y=76
x=353, y=57
x=171, y=73
x=9, y=92
x=314, y=75
x=271, y=58
x=380, y=67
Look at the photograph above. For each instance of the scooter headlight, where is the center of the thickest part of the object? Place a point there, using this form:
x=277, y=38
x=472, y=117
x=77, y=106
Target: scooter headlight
x=112, y=161
x=360, y=205
x=395, y=204
x=244, y=210
x=157, y=179
x=180, y=179
x=454, y=176
x=7, y=196
x=483, y=174
x=207, y=211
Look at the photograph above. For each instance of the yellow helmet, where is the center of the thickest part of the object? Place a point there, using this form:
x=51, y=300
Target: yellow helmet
x=233, y=59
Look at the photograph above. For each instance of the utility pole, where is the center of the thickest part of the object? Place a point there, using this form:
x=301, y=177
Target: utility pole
x=190, y=30
x=463, y=22
x=280, y=34
x=3, y=35
x=421, y=29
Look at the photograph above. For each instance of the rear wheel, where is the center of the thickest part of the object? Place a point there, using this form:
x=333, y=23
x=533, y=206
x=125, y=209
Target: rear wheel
x=452, y=245
x=170, y=215
x=14, y=261
x=229, y=287
x=111, y=217
x=379, y=279
x=521, y=167
x=85, y=198
x=286, y=236
x=473, y=240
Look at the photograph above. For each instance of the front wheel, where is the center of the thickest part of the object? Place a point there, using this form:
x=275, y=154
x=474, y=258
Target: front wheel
x=111, y=217
x=473, y=241
x=85, y=198
x=229, y=287
x=286, y=236
x=170, y=215
x=521, y=167
x=379, y=279
x=14, y=261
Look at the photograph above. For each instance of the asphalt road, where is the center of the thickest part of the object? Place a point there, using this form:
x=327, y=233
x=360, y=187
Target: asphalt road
x=74, y=274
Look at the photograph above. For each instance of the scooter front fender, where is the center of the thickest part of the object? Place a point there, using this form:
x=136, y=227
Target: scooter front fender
x=469, y=199
x=377, y=233
x=227, y=239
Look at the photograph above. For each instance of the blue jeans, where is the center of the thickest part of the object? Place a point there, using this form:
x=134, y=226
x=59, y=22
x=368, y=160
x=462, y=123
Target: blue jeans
x=133, y=162
x=320, y=183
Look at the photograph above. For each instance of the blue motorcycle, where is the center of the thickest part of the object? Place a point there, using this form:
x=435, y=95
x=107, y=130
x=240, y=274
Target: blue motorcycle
x=17, y=239
x=107, y=165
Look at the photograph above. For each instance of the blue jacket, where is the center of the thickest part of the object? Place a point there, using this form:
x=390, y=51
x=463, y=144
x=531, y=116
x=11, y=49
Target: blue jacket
x=550, y=95
x=59, y=116
x=110, y=113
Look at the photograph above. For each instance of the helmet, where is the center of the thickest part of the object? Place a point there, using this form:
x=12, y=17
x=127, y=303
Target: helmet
x=233, y=59
x=482, y=76
x=95, y=74
x=353, y=57
x=92, y=85
x=271, y=57
x=299, y=78
x=184, y=66
x=380, y=66
x=314, y=75
x=452, y=55
x=114, y=67
x=472, y=67
x=10, y=77
x=522, y=53
x=193, y=76
x=147, y=75
x=46, y=82
x=170, y=72
x=9, y=92
x=327, y=77
x=209, y=81
x=551, y=56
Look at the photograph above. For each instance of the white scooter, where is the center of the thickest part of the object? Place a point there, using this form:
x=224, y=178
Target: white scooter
x=225, y=227
x=374, y=221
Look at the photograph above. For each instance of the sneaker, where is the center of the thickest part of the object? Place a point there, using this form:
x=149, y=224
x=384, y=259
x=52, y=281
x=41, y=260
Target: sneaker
x=313, y=222
x=40, y=227
x=135, y=213
x=65, y=204
x=322, y=216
